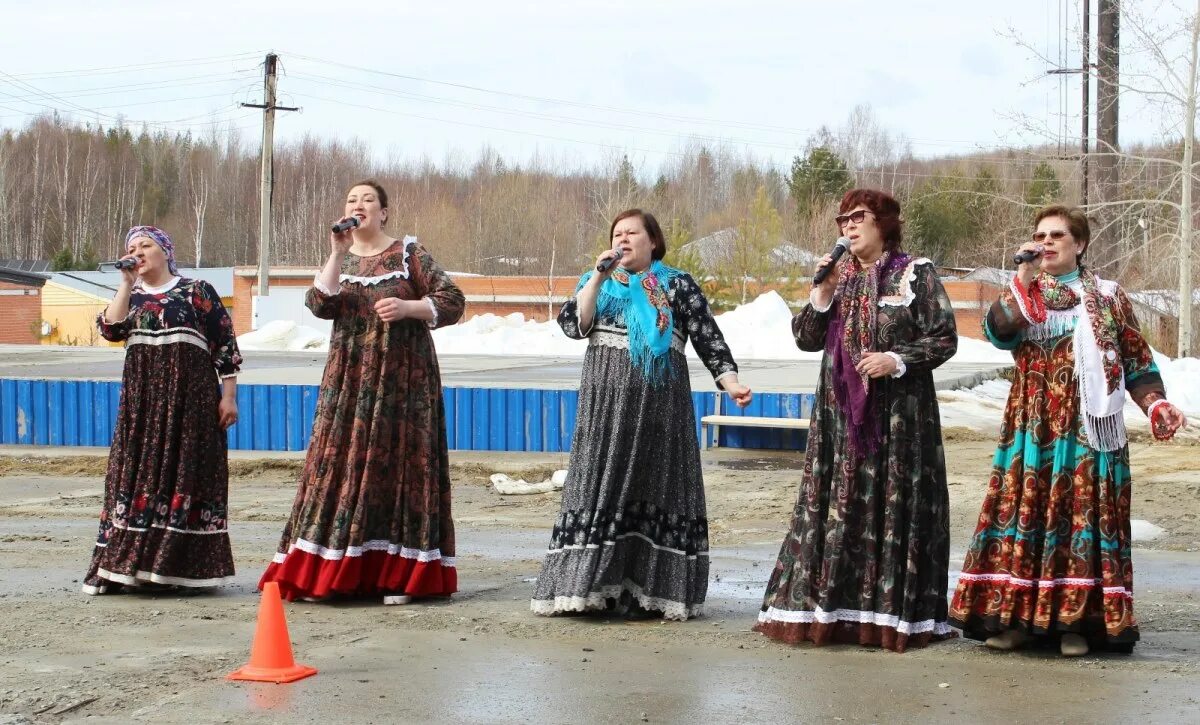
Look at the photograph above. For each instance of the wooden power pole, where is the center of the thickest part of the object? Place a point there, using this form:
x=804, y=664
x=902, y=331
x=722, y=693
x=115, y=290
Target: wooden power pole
x=267, y=174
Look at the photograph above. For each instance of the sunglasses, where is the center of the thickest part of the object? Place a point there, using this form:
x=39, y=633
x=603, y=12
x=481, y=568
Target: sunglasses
x=856, y=216
x=1056, y=235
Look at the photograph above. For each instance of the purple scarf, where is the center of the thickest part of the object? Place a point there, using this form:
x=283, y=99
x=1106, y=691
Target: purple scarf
x=851, y=333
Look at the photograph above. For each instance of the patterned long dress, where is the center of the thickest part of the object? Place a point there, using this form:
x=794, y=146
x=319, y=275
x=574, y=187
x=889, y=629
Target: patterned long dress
x=632, y=531
x=372, y=512
x=166, y=490
x=866, y=557
x=1051, y=551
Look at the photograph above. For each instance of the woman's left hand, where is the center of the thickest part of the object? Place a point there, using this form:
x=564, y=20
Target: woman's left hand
x=876, y=365
x=1169, y=420
x=741, y=394
x=227, y=412
x=391, y=309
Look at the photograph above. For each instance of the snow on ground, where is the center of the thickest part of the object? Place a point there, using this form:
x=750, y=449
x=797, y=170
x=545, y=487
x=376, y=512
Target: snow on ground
x=758, y=330
x=980, y=408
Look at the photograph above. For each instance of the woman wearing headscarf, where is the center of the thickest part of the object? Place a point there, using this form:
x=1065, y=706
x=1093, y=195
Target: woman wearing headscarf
x=866, y=557
x=1051, y=557
x=632, y=534
x=166, y=491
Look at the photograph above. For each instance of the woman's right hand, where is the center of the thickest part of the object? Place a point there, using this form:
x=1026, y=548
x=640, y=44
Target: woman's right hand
x=129, y=275
x=824, y=291
x=606, y=254
x=339, y=243
x=1026, y=271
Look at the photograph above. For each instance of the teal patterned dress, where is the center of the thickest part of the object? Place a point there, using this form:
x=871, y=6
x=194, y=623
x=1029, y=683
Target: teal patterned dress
x=1052, y=549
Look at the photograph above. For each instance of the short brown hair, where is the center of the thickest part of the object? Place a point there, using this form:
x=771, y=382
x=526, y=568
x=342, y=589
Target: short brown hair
x=1077, y=223
x=653, y=230
x=886, y=210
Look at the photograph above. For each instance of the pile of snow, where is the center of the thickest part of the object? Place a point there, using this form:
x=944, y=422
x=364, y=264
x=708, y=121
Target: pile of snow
x=490, y=334
x=283, y=335
x=982, y=407
x=1142, y=530
x=508, y=487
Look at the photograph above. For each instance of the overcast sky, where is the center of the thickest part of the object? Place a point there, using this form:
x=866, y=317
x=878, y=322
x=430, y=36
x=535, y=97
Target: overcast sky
x=571, y=81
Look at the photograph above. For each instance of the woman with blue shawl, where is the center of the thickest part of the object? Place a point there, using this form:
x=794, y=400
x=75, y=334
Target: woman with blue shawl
x=632, y=534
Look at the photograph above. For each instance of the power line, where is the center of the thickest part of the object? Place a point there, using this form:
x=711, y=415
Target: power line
x=209, y=60
x=630, y=148
x=591, y=106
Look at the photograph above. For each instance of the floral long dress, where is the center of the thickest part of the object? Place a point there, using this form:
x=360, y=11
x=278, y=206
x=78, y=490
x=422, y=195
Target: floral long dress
x=633, y=528
x=166, y=490
x=1051, y=551
x=866, y=557
x=372, y=512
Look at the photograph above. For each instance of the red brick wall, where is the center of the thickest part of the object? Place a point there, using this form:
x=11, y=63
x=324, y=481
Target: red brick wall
x=20, y=314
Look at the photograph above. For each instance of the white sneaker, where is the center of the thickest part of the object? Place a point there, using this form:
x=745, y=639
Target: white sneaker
x=397, y=599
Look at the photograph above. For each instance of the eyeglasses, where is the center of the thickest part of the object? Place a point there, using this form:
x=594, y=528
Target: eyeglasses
x=1055, y=234
x=855, y=216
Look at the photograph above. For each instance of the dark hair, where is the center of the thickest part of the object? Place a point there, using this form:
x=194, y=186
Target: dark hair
x=380, y=192
x=653, y=230
x=1077, y=223
x=886, y=210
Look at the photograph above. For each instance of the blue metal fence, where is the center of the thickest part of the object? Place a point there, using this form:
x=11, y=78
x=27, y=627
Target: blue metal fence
x=279, y=417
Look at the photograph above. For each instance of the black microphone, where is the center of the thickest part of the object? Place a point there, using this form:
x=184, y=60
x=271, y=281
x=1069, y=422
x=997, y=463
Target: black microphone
x=839, y=249
x=119, y=264
x=1027, y=256
x=604, y=265
x=344, y=226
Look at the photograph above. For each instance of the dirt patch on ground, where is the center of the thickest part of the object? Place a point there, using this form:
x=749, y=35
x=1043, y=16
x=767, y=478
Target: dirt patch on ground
x=161, y=657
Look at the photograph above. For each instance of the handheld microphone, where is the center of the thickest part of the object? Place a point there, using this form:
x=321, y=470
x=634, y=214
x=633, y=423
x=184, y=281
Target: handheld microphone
x=118, y=265
x=839, y=249
x=1028, y=255
x=344, y=226
x=604, y=266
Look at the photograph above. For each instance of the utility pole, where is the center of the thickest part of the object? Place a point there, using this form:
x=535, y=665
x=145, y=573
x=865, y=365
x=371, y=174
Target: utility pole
x=1085, y=68
x=1086, y=108
x=1185, y=197
x=267, y=174
x=1108, y=65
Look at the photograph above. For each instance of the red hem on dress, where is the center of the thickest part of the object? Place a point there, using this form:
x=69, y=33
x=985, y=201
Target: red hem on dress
x=303, y=574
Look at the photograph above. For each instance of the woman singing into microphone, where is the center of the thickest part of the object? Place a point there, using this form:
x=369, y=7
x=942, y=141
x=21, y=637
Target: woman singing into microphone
x=372, y=513
x=632, y=534
x=1050, y=558
x=866, y=558
x=166, y=490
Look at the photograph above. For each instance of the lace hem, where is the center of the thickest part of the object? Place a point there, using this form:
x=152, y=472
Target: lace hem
x=820, y=616
x=618, y=338
x=812, y=301
x=906, y=295
x=597, y=601
x=409, y=241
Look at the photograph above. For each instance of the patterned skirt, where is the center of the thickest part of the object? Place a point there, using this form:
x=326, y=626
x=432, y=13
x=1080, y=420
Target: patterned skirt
x=1052, y=549
x=866, y=558
x=166, y=490
x=372, y=511
x=632, y=529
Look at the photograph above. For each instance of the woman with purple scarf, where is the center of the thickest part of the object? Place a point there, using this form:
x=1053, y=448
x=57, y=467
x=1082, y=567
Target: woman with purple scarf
x=866, y=558
x=166, y=491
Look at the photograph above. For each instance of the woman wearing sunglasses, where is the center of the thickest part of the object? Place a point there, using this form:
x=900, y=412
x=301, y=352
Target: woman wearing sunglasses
x=866, y=559
x=1050, y=558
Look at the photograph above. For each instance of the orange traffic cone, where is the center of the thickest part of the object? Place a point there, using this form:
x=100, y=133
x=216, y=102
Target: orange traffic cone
x=271, y=654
